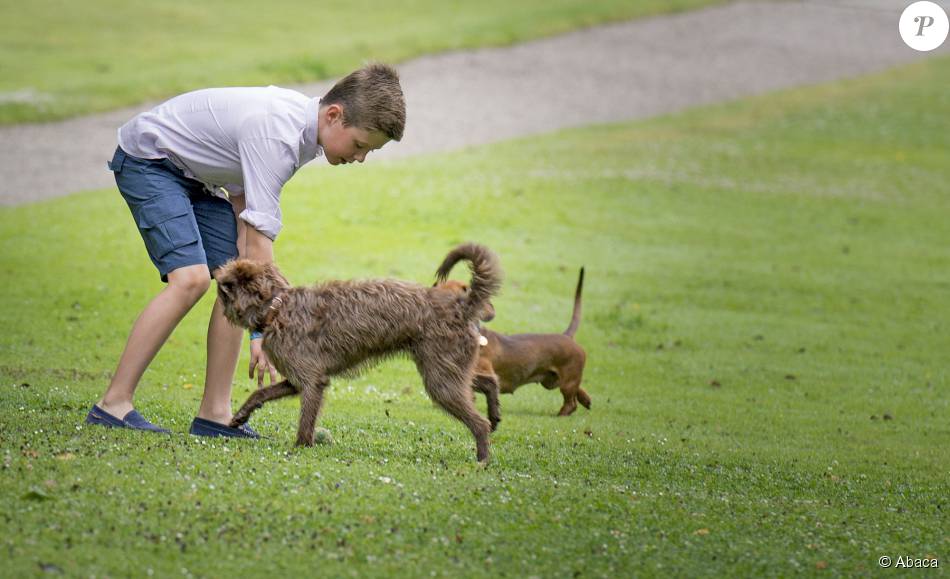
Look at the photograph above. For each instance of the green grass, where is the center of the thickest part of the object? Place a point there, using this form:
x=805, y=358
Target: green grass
x=767, y=317
x=61, y=59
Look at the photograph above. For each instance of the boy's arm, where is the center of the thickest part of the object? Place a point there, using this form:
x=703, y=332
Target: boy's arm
x=238, y=205
x=251, y=243
x=259, y=247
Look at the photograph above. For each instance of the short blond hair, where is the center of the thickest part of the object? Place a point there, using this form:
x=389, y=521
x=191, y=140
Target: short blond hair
x=372, y=100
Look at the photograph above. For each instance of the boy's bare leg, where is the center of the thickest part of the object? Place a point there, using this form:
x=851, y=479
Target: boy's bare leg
x=224, y=349
x=185, y=287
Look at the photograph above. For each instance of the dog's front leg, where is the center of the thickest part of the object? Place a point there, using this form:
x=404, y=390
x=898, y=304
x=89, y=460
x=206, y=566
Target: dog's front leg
x=258, y=398
x=311, y=401
x=487, y=384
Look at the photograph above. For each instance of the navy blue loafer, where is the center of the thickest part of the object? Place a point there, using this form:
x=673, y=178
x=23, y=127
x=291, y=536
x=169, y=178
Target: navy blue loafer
x=102, y=418
x=132, y=420
x=253, y=433
x=135, y=420
x=202, y=427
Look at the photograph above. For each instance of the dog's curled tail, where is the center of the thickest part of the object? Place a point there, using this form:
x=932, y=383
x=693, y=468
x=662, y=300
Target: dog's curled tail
x=486, y=274
x=576, y=316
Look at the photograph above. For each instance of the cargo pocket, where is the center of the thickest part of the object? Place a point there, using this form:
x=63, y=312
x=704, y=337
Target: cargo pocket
x=118, y=159
x=166, y=224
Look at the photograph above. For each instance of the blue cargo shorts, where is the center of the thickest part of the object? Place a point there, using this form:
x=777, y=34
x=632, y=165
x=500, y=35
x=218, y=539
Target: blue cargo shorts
x=181, y=223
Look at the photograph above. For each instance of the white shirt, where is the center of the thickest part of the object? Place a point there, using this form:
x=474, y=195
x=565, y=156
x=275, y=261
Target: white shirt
x=248, y=141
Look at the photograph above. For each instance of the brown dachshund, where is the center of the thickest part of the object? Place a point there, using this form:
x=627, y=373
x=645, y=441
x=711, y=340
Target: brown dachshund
x=553, y=360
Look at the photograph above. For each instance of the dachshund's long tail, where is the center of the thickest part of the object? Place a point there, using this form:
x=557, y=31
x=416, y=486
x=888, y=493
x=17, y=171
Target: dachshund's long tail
x=576, y=316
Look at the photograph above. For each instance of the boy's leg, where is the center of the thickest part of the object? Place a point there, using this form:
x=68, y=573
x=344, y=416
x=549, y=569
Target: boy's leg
x=218, y=226
x=185, y=287
x=224, y=349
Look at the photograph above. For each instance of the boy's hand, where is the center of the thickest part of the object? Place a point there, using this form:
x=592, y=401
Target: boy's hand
x=260, y=362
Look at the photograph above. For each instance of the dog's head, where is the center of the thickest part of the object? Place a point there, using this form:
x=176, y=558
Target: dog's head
x=246, y=289
x=488, y=312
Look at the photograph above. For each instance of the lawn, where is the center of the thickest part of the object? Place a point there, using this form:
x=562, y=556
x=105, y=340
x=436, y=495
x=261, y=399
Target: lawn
x=767, y=317
x=61, y=59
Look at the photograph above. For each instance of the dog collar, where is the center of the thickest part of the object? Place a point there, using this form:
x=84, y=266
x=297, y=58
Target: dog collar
x=276, y=303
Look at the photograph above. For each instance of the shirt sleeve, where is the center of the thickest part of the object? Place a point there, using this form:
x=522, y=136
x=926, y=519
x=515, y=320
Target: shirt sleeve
x=266, y=164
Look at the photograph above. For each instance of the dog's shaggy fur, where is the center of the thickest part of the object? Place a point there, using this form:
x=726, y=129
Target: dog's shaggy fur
x=338, y=327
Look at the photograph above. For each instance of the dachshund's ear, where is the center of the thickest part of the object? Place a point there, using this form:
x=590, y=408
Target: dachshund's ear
x=453, y=285
x=488, y=314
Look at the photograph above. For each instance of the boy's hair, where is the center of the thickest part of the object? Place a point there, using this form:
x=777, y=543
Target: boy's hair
x=372, y=100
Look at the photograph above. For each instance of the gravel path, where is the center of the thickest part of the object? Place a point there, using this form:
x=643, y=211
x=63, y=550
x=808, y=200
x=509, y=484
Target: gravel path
x=617, y=72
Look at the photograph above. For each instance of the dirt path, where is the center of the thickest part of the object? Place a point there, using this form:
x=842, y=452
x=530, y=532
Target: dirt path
x=610, y=73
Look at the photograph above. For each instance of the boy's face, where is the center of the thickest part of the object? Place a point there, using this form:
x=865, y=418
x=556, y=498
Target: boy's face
x=343, y=144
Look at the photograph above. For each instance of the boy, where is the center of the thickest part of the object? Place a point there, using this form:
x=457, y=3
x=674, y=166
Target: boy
x=202, y=175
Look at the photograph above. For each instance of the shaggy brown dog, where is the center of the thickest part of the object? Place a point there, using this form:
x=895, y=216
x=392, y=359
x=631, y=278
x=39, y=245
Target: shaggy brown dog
x=339, y=327
x=554, y=360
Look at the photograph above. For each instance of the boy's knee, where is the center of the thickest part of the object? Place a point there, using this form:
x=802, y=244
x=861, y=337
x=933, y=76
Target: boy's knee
x=194, y=281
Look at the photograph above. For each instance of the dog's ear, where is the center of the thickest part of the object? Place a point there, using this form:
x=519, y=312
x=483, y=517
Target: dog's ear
x=226, y=287
x=224, y=276
x=268, y=282
x=244, y=270
x=453, y=285
x=488, y=313
x=273, y=274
